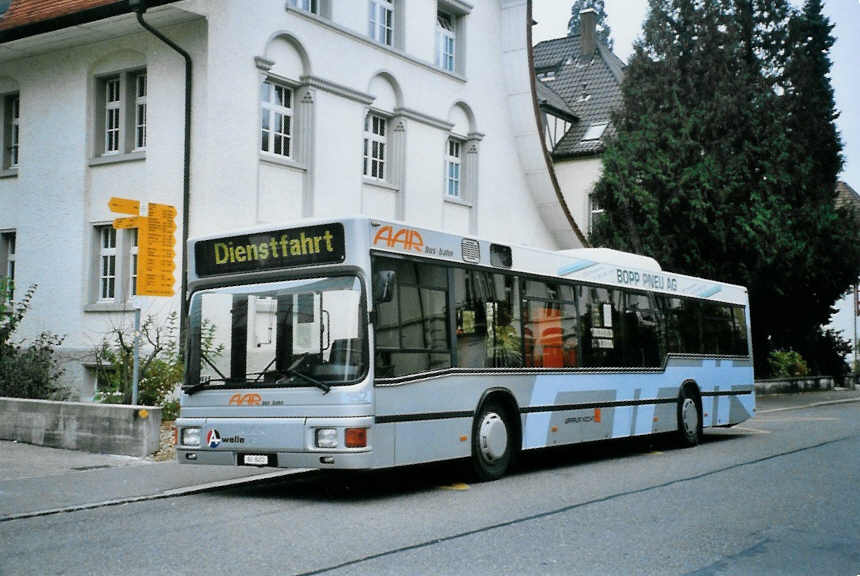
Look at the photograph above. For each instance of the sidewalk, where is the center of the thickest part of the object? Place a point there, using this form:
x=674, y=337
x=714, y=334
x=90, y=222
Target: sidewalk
x=35, y=480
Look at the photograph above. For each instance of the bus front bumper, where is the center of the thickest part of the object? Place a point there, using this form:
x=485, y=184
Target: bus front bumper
x=279, y=442
x=334, y=460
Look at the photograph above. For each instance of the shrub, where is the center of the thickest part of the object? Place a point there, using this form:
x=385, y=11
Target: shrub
x=787, y=364
x=27, y=371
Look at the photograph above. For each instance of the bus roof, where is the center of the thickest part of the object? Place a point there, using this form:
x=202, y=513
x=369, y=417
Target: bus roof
x=602, y=266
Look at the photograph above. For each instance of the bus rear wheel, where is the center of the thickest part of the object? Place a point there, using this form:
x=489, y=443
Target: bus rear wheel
x=689, y=419
x=492, y=446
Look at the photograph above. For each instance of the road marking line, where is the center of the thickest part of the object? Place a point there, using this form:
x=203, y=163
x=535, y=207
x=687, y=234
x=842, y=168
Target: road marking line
x=754, y=430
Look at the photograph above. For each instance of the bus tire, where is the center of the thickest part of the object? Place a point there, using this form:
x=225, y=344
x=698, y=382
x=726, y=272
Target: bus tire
x=492, y=441
x=689, y=418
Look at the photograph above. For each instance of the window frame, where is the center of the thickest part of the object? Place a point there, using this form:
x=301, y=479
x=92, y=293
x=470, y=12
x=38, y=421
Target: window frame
x=454, y=167
x=113, y=111
x=309, y=6
x=443, y=58
x=132, y=262
x=594, y=211
x=107, y=263
x=12, y=131
x=140, y=110
x=381, y=21
x=8, y=242
x=270, y=110
x=121, y=115
x=374, y=145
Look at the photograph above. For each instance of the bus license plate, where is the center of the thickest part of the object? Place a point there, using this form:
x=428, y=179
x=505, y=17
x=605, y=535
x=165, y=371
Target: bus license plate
x=256, y=459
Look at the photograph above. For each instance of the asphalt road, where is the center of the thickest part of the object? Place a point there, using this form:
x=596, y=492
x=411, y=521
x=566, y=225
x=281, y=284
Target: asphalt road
x=779, y=494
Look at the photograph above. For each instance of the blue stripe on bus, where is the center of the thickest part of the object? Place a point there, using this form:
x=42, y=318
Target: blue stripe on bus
x=710, y=291
x=575, y=267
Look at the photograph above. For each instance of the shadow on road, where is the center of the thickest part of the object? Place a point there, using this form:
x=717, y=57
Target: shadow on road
x=366, y=486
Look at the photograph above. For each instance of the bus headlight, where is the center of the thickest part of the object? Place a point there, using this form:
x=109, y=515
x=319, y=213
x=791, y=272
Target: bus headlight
x=326, y=438
x=190, y=437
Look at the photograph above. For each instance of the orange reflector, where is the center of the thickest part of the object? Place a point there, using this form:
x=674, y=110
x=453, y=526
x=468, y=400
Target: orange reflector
x=656, y=419
x=597, y=415
x=554, y=428
x=356, y=437
x=463, y=438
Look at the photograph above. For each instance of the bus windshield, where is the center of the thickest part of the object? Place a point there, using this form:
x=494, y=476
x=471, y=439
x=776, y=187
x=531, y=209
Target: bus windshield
x=305, y=332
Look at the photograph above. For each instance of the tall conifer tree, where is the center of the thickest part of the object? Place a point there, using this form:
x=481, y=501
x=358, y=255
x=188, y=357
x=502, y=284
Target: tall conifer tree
x=703, y=174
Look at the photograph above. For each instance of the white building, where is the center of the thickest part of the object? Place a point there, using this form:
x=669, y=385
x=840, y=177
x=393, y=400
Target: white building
x=421, y=111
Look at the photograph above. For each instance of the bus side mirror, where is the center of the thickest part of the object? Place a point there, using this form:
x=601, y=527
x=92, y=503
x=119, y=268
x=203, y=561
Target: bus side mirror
x=383, y=285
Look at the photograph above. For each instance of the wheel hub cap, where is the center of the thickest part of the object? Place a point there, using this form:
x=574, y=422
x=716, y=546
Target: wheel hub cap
x=690, y=417
x=493, y=437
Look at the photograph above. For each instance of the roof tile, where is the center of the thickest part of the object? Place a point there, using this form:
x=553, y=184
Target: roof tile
x=591, y=86
x=26, y=12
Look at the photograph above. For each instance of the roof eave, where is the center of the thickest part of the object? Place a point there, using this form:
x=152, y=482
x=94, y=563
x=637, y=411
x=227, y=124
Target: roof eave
x=74, y=19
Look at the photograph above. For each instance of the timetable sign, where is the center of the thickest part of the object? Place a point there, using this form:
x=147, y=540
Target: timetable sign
x=156, y=241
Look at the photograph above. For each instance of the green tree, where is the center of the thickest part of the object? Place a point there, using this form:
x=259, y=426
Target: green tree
x=704, y=174
x=27, y=371
x=604, y=32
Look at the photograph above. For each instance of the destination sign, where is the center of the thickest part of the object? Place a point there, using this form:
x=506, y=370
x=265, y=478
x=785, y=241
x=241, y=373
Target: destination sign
x=268, y=250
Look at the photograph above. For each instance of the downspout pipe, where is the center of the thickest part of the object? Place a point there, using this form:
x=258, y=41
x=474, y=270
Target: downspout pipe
x=140, y=7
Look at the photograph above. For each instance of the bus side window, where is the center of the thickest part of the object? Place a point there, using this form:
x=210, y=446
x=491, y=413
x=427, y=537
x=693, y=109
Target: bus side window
x=601, y=334
x=716, y=328
x=504, y=342
x=641, y=327
x=549, y=325
x=411, y=326
x=739, y=330
x=471, y=296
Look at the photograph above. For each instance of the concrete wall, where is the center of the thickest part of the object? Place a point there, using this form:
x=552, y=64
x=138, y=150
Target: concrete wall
x=100, y=428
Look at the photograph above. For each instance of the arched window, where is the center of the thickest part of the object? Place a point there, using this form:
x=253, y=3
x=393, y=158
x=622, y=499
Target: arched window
x=285, y=102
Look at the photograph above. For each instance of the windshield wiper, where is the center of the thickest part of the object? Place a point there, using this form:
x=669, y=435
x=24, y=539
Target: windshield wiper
x=293, y=372
x=195, y=387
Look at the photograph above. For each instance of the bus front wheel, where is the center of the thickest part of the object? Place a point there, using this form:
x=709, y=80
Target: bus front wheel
x=689, y=418
x=492, y=446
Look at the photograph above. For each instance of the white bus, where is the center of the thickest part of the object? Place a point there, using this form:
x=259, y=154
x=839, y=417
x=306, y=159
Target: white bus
x=360, y=343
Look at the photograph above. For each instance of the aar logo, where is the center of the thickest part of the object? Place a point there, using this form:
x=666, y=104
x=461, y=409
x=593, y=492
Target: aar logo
x=213, y=439
x=245, y=399
x=404, y=238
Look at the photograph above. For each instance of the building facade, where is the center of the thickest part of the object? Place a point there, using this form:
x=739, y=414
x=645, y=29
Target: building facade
x=579, y=88
x=418, y=111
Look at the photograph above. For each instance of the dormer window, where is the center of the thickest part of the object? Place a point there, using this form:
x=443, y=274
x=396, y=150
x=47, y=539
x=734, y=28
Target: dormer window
x=595, y=131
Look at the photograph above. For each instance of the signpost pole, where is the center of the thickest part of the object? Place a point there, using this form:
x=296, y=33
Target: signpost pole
x=136, y=367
